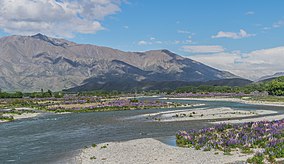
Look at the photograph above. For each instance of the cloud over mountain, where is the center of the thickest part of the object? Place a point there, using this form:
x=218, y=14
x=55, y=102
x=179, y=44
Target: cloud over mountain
x=250, y=65
x=61, y=18
x=29, y=63
x=203, y=49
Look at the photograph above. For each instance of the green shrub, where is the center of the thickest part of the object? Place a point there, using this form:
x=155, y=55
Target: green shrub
x=257, y=159
x=246, y=150
x=103, y=147
x=92, y=158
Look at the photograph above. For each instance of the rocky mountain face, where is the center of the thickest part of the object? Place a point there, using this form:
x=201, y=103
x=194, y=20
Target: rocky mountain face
x=31, y=63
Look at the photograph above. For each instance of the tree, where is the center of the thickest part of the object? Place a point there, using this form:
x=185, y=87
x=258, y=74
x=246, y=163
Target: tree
x=276, y=87
x=50, y=93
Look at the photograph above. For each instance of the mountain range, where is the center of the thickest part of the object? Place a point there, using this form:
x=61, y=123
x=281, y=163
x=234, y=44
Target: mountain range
x=32, y=63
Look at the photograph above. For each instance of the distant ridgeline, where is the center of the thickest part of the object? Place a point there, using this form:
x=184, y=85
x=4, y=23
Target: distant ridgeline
x=274, y=87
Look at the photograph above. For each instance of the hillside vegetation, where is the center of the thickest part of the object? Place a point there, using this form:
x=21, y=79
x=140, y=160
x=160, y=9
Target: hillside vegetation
x=274, y=88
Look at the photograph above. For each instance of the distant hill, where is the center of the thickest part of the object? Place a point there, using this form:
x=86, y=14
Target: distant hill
x=164, y=85
x=270, y=77
x=31, y=63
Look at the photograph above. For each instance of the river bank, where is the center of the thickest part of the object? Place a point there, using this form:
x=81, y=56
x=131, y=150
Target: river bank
x=7, y=115
x=240, y=115
x=149, y=150
x=205, y=114
x=152, y=151
x=244, y=100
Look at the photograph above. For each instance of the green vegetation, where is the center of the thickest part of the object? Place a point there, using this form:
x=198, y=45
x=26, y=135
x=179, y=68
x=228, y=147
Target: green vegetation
x=92, y=158
x=42, y=94
x=104, y=147
x=274, y=88
x=104, y=109
x=134, y=100
x=6, y=118
x=276, y=151
x=263, y=137
x=257, y=159
x=246, y=150
x=7, y=115
x=223, y=89
x=100, y=93
x=268, y=98
x=78, y=104
x=11, y=95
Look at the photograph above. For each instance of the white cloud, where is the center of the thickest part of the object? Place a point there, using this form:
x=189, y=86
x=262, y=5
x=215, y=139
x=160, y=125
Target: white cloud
x=202, y=49
x=250, y=65
x=188, y=41
x=233, y=35
x=55, y=18
x=278, y=24
x=250, y=13
x=266, y=28
x=184, y=42
x=143, y=42
x=183, y=32
x=152, y=41
x=177, y=42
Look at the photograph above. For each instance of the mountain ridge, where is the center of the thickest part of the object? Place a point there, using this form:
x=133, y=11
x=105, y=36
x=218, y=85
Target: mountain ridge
x=270, y=77
x=31, y=63
x=163, y=86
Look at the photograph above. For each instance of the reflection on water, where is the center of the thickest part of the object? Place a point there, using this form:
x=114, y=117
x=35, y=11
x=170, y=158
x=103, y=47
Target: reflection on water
x=50, y=138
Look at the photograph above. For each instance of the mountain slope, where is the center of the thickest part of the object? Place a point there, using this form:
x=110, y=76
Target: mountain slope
x=150, y=85
x=29, y=63
x=270, y=77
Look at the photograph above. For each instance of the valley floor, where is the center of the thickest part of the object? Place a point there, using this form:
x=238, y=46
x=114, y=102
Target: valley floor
x=149, y=150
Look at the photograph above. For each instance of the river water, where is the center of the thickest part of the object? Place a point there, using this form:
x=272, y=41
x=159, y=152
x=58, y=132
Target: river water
x=54, y=138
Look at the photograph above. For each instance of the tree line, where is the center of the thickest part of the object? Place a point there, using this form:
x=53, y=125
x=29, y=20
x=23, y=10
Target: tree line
x=41, y=94
x=274, y=87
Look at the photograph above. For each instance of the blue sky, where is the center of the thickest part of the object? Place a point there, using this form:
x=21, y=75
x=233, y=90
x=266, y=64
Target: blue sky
x=241, y=31
x=141, y=20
